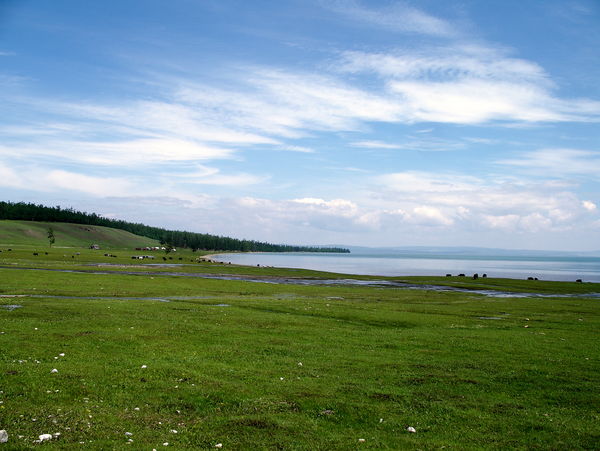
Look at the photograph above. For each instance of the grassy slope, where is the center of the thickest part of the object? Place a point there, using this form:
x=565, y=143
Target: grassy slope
x=374, y=361
x=34, y=234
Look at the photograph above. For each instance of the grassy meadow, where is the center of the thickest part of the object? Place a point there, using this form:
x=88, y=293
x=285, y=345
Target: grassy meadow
x=155, y=361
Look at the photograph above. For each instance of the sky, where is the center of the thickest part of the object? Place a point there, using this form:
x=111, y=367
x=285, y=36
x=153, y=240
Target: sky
x=354, y=122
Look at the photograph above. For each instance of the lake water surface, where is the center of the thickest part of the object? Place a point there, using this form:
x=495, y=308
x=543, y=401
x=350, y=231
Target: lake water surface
x=425, y=264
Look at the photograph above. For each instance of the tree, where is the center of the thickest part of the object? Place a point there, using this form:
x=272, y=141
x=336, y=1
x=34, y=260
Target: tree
x=51, y=237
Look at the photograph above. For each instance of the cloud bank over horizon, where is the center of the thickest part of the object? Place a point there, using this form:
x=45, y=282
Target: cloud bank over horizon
x=318, y=122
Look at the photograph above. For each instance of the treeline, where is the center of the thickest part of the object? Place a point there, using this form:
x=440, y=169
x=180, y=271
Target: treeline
x=174, y=238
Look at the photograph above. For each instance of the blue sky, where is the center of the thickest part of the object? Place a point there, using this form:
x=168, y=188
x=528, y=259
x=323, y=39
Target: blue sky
x=376, y=123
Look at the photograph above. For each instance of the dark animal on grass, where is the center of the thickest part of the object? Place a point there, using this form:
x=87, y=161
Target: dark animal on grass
x=475, y=276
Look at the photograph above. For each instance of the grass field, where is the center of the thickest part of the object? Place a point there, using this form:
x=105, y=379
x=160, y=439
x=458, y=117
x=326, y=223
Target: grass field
x=153, y=359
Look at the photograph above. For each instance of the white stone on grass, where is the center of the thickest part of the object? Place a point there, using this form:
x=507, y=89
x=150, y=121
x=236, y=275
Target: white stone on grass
x=361, y=440
x=219, y=445
x=128, y=433
x=144, y=366
x=54, y=370
x=3, y=436
x=411, y=429
x=173, y=431
x=44, y=437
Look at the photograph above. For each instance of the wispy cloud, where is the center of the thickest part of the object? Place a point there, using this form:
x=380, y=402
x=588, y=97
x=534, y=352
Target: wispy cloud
x=469, y=85
x=398, y=17
x=424, y=145
x=557, y=162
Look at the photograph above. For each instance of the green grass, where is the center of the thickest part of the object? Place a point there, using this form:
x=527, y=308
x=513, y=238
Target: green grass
x=373, y=361
x=34, y=234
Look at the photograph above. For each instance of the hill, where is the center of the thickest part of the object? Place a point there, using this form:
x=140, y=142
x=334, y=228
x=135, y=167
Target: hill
x=34, y=233
x=175, y=238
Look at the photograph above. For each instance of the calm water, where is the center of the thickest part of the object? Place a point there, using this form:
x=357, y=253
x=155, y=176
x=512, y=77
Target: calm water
x=415, y=264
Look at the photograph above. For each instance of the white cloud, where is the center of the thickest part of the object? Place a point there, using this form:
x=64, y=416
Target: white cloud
x=339, y=207
x=428, y=215
x=589, y=206
x=40, y=180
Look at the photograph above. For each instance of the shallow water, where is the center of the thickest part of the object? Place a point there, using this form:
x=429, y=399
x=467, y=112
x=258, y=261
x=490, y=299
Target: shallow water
x=314, y=282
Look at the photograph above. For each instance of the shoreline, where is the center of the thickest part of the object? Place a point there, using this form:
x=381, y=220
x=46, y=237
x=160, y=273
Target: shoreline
x=420, y=266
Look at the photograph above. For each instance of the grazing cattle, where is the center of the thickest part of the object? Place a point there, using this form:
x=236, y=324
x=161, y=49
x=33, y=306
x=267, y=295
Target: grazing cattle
x=475, y=276
x=35, y=253
x=579, y=281
x=484, y=276
x=461, y=275
x=448, y=275
x=530, y=278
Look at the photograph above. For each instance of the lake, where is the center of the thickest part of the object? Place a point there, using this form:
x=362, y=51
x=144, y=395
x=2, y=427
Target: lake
x=565, y=268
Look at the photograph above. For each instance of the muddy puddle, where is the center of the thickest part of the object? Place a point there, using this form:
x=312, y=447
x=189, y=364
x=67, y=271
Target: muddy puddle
x=377, y=283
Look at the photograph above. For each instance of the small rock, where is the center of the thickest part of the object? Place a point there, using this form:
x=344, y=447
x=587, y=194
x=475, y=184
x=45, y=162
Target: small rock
x=128, y=434
x=219, y=445
x=44, y=437
x=173, y=431
x=411, y=429
x=62, y=354
x=166, y=444
x=361, y=440
x=299, y=363
x=3, y=436
x=144, y=366
x=54, y=370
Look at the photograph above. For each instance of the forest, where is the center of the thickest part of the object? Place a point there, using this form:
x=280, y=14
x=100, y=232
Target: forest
x=176, y=238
